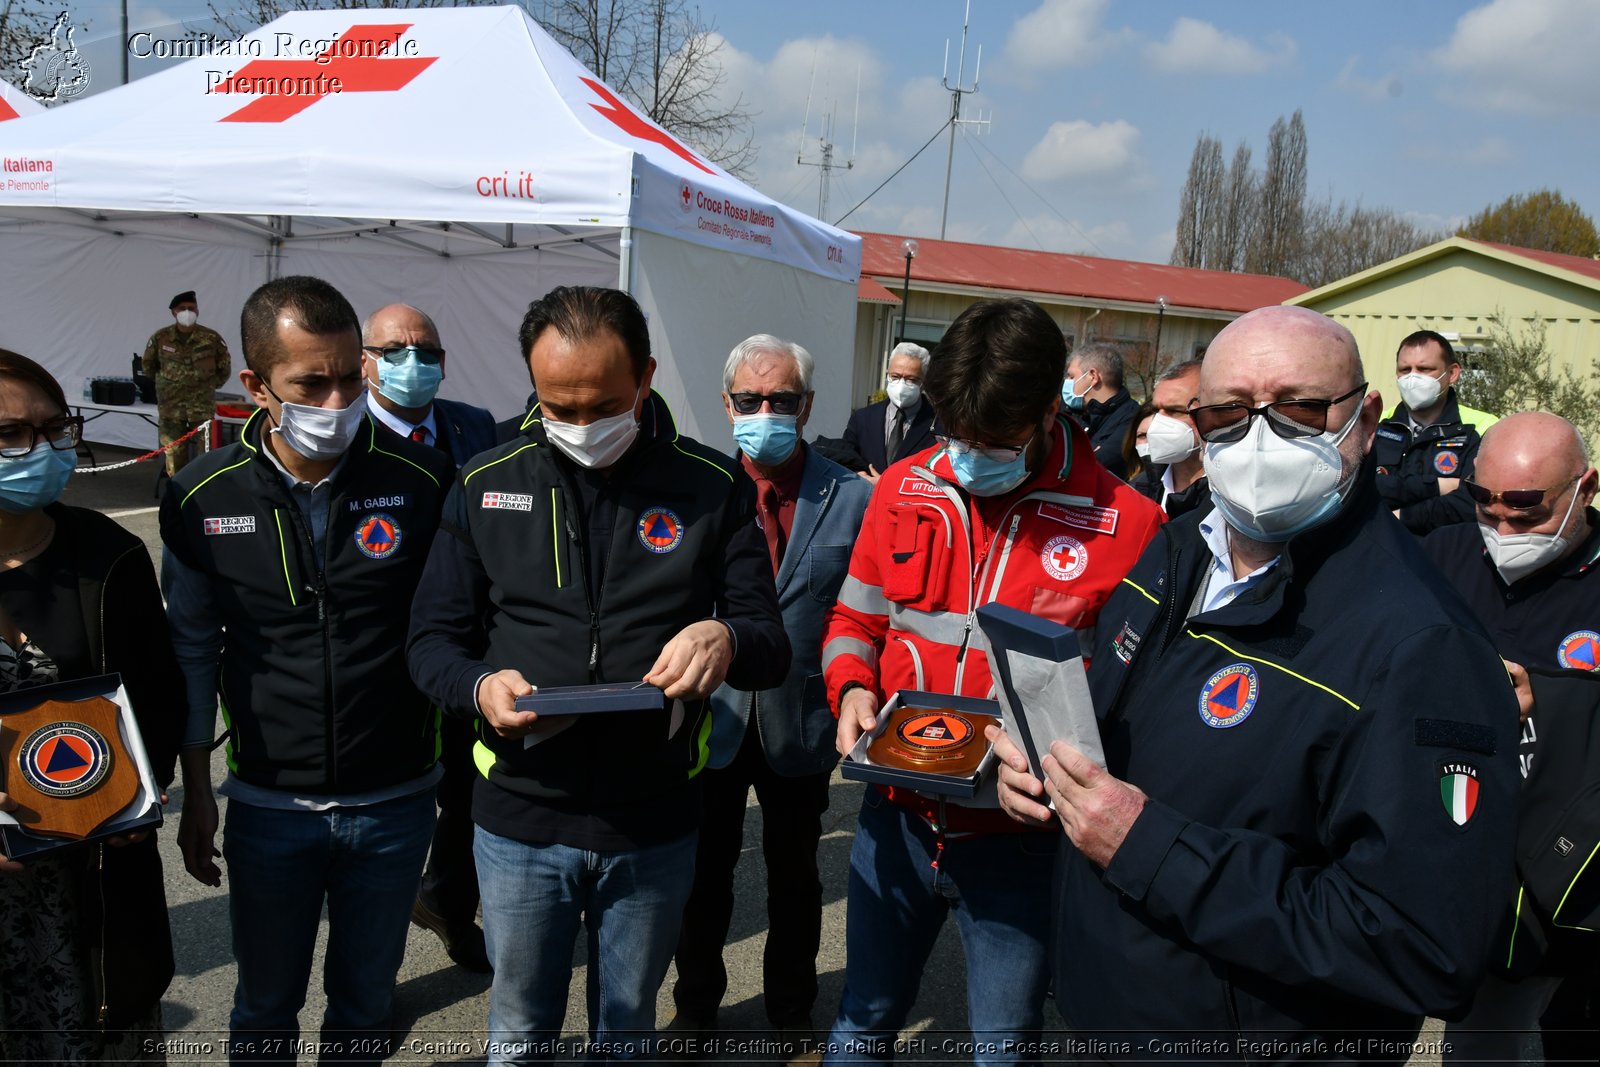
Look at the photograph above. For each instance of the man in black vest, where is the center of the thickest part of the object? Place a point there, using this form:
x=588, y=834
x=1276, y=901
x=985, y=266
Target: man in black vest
x=291, y=557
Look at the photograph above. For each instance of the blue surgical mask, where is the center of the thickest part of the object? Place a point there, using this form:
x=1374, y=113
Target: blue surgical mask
x=1070, y=397
x=766, y=438
x=32, y=481
x=983, y=475
x=411, y=384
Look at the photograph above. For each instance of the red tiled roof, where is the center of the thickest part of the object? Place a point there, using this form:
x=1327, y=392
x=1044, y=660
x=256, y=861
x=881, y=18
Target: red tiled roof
x=988, y=267
x=1577, y=264
x=871, y=292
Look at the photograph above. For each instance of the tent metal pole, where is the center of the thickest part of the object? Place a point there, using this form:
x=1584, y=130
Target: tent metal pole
x=625, y=261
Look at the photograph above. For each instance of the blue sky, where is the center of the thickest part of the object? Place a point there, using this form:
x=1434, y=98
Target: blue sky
x=1432, y=109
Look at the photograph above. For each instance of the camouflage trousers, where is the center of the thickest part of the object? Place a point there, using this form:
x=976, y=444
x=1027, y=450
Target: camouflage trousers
x=176, y=420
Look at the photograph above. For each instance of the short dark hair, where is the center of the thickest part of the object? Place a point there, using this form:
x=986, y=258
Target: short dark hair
x=1103, y=357
x=315, y=305
x=20, y=368
x=1178, y=370
x=581, y=312
x=1422, y=337
x=997, y=369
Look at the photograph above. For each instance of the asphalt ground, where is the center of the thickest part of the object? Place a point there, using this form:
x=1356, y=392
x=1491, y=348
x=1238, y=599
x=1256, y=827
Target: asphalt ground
x=441, y=1011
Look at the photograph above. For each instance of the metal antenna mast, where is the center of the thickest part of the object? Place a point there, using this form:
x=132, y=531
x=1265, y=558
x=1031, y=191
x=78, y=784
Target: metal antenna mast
x=826, y=145
x=957, y=91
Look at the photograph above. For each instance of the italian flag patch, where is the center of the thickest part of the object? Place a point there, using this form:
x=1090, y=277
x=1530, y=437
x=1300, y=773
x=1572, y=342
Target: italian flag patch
x=1458, y=788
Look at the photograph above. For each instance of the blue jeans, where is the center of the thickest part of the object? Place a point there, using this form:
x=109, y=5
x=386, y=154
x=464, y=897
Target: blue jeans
x=366, y=862
x=998, y=886
x=535, y=897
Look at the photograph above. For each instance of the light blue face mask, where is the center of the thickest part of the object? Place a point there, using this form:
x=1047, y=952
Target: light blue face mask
x=36, y=479
x=411, y=384
x=1071, y=399
x=766, y=438
x=983, y=475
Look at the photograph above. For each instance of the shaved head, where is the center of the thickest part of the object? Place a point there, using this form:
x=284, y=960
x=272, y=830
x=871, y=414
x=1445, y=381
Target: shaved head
x=1292, y=335
x=395, y=319
x=1531, y=449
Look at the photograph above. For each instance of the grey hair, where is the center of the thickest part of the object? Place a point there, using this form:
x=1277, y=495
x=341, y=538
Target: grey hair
x=1102, y=357
x=917, y=352
x=751, y=347
x=427, y=322
x=1179, y=370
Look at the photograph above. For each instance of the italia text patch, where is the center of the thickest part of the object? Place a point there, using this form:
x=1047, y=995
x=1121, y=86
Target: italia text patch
x=1458, y=789
x=1099, y=520
x=508, y=501
x=231, y=524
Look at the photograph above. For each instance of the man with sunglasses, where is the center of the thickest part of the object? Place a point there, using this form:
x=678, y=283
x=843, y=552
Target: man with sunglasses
x=1426, y=445
x=1528, y=570
x=1011, y=508
x=1302, y=835
x=404, y=364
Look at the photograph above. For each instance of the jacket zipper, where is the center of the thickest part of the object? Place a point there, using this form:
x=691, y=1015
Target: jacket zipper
x=104, y=1012
x=588, y=598
x=320, y=591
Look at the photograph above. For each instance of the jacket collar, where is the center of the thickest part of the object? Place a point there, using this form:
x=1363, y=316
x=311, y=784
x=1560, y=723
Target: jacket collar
x=1450, y=415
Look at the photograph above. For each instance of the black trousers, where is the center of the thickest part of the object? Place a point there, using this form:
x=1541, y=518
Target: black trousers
x=791, y=817
x=450, y=880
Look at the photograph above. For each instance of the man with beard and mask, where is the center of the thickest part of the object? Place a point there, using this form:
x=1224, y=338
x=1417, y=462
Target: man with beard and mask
x=189, y=363
x=1011, y=508
x=1526, y=569
x=1093, y=393
x=779, y=741
x=405, y=364
x=1303, y=833
x=1174, y=475
x=291, y=558
x=598, y=547
x=1426, y=445
x=902, y=425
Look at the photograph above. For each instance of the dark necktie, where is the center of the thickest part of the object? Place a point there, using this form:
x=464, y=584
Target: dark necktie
x=771, y=520
x=419, y=435
x=897, y=434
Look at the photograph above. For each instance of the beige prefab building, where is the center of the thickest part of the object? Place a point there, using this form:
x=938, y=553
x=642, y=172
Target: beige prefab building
x=1457, y=287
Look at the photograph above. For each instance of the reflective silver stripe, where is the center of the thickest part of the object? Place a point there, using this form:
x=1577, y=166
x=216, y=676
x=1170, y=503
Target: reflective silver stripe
x=940, y=627
x=859, y=596
x=849, y=646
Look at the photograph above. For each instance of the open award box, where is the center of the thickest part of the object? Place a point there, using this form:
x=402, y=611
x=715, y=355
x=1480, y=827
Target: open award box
x=1039, y=676
x=928, y=742
x=72, y=757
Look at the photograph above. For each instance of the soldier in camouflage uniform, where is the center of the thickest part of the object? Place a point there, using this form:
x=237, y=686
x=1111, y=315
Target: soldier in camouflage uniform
x=190, y=363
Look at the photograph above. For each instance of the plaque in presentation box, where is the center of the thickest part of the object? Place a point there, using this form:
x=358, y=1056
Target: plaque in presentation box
x=928, y=742
x=1043, y=691
x=72, y=757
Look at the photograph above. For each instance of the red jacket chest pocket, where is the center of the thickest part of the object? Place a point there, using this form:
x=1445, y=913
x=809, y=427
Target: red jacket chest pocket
x=921, y=551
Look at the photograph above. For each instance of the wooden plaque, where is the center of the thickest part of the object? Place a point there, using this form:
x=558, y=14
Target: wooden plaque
x=65, y=764
x=932, y=740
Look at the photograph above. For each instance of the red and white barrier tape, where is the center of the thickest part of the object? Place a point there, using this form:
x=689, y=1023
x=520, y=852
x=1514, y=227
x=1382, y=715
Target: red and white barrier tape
x=204, y=426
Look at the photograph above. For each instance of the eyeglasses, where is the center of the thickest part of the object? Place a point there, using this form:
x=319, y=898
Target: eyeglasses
x=1515, y=499
x=959, y=446
x=396, y=354
x=912, y=378
x=782, y=403
x=1225, y=423
x=19, y=438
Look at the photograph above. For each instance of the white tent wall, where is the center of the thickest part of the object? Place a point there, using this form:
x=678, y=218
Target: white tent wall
x=702, y=302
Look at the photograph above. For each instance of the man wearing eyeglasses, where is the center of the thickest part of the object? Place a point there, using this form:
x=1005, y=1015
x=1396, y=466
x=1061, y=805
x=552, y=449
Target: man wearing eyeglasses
x=1527, y=568
x=777, y=741
x=1303, y=832
x=403, y=362
x=899, y=426
x=1009, y=508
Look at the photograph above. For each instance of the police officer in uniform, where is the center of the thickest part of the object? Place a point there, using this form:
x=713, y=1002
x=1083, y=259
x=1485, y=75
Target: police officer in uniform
x=189, y=363
x=1426, y=445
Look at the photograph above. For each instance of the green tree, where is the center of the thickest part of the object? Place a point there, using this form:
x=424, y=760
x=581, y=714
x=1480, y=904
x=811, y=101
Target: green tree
x=1544, y=220
x=1516, y=371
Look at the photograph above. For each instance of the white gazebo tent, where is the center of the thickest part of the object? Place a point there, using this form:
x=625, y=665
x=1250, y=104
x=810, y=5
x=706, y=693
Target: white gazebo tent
x=14, y=103
x=457, y=159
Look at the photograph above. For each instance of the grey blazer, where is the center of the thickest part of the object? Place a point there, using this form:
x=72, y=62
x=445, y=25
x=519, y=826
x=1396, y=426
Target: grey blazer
x=796, y=727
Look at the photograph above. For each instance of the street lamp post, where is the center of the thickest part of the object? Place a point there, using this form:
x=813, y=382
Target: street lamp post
x=1161, y=314
x=909, y=247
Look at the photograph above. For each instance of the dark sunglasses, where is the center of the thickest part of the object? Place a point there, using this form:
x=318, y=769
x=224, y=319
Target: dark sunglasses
x=782, y=403
x=1515, y=499
x=396, y=354
x=1226, y=423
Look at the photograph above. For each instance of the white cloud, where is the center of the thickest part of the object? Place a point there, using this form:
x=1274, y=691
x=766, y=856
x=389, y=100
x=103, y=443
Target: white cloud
x=1383, y=87
x=1525, y=56
x=1196, y=47
x=1078, y=149
x=1061, y=33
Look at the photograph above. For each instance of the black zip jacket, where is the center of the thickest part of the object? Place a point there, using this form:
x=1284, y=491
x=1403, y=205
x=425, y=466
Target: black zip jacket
x=313, y=678
x=513, y=584
x=1330, y=761
x=1409, y=466
x=1196, y=495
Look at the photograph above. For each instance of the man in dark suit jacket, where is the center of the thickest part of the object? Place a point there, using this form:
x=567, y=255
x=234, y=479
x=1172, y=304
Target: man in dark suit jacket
x=904, y=421
x=1094, y=395
x=777, y=741
x=404, y=365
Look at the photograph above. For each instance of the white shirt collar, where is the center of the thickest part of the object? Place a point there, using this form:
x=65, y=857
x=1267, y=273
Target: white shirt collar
x=399, y=425
x=1221, y=586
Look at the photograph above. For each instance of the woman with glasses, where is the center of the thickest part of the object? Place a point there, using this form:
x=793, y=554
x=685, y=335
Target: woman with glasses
x=85, y=951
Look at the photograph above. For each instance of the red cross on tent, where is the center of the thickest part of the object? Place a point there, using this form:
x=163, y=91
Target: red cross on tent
x=347, y=62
